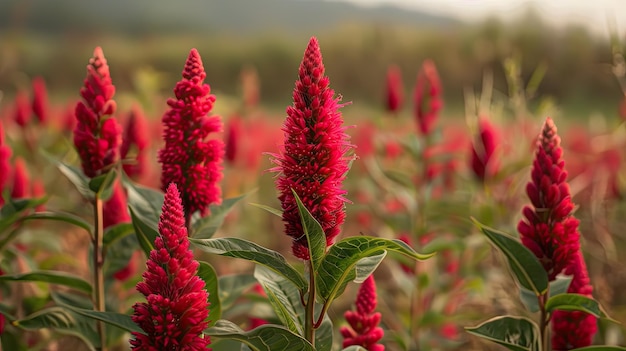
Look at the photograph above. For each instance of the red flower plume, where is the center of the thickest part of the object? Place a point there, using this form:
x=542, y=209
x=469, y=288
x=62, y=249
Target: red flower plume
x=428, y=97
x=364, y=330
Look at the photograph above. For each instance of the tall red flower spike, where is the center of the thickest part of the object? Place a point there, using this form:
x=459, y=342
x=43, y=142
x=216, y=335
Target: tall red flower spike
x=5, y=162
x=135, y=137
x=188, y=159
x=97, y=136
x=428, y=97
x=483, y=162
x=550, y=231
x=176, y=310
x=21, y=180
x=22, y=111
x=40, y=99
x=234, y=131
x=314, y=161
x=364, y=330
x=395, y=89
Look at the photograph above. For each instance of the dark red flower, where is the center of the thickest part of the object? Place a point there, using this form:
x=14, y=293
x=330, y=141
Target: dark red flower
x=5, y=162
x=115, y=209
x=364, y=330
x=314, y=162
x=189, y=159
x=22, y=111
x=483, y=162
x=428, y=97
x=395, y=89
x=21, y=180
x=234, y=131
x=136, y=138
x=40, y=99
x=176, y=311
x=550, y=231
x=97, y=135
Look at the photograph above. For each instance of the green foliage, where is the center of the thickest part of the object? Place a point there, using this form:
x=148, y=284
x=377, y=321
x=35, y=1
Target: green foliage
x=205, y=227
x=514, y=333
x=207, y=273
x=263, y=338
x=52, y=277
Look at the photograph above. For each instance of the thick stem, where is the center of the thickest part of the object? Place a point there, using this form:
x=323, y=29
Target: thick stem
x=98, y=263
x=309, y=327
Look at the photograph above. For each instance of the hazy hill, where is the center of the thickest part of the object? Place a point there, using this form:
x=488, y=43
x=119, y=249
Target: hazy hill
x=236, y=16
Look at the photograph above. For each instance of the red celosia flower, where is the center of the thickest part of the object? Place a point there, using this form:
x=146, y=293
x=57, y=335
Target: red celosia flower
x=22, y=110
x=21, y=180
x=5, y=162
x=115, y=209
x=234, y=130
x=395, y=89
x=551, y=232
x=40, y=99
x=135, y=137
x=483, y=162
x=176, y=310
x=97, y=135
x=364, y=330
x=189, y=160
x=428, y=97
x=314, y=162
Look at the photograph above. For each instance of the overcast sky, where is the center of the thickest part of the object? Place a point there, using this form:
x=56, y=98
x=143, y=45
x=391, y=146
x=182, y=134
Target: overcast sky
x=594, y=14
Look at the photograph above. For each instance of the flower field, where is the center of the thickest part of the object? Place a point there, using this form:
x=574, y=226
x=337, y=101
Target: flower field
x=320, y=228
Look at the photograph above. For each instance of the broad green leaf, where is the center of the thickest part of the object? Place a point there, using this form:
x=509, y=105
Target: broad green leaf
x=146, y=232
x=63, y=217
x=324, y=335
x=53, y=277
x=247, y=250
x=10, y=341
x=557, y=286
x=208, y=274
x=525, y=266
x=14, y=210
x=113, y=318
x=560, y=285
x=64, y=321
x=573, y=302
x=63, y=298
x=340, y=265
x=75, y=176
x=529, y=299
x=316, y=239
x=601, y=348
x=271, y=210
x=146, y=202
x=205, y=227
x=232, y=286
x=118, y=255
x=514, y=333
x=264, y=338
x=280, y=293
x=117, y=232
x=102, y=185
x=367, y=266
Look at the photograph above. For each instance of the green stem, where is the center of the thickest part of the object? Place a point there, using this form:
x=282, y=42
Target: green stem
x=309, y=327
x=98, y=263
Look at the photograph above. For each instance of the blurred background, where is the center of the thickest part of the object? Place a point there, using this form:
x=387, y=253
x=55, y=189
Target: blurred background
x=146, y=42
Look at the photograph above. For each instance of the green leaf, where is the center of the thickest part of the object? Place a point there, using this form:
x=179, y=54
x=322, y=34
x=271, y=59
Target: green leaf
x=118, y=255
x=557, y=286
x=145, y=232
x=232, y=286
x=514, y=333
x=601, y=348
x=205, y=227
x=14, y=210
x=117, y=232
x=324, y=335
x=52, y=277
x=264, y=338
x=573, y=302
x=525, y=266
x=102, y=185
x=146, y=202
x=208, y=274
x=63, y=217
x=271, y=210
x=560, y=285
x=529, y=299
x=64, y=321
x=113, y=318
x=247, y=250
x=64, y=298
x=341, y=263
x=316, y=239
x=75, y=176
x=283, y=297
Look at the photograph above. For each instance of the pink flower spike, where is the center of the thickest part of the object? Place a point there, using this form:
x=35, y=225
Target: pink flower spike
x=314, y=162
x=40, y=100
x=176, y=311
x=364, y=330
x=234, y=131
x=135, y=137
x=22, y=111
x=115, y=209
x=428, y=97
x=395, y=89
x=483, y=161
x=5, y=163
x=189, y=159
x=97, y=136
x=21, y=180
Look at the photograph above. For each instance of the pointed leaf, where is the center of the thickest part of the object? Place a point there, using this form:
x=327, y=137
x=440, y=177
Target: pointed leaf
x=145, y=232
x=341, y=263
x=560, y=285
x=316, y=239
x=119, y=254
x=208, y=274
x=573, y=302
x=205, y=227
x=52, y=277
x=525, y=266
x=63, y=217
x=102, y=185
x=117, y=232
x=264, y=338
x=281, y=296
x=14, y=210
x=119, y=320
x=514, y=333
x=324, y=335
x=529, y=299
x=247, y=250
x=146, y=202
x=271, y=210
x=77, y=177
